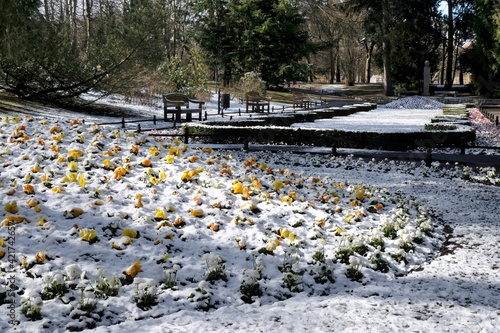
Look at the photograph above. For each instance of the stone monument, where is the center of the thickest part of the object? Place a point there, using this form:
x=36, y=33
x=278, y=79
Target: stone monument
x=427, y=78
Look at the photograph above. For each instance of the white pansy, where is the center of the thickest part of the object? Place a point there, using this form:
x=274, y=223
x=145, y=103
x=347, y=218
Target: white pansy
x=73, y=271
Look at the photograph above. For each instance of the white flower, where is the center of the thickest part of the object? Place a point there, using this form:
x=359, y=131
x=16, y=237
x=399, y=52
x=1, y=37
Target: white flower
x=202, y=284
x=73, y=271
x=37, y=301
x=354, y=261
x=58, y=278
x=176, y=267
x=47, y=278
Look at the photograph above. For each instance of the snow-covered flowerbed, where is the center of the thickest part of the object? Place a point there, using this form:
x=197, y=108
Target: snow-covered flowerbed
x=100, y=225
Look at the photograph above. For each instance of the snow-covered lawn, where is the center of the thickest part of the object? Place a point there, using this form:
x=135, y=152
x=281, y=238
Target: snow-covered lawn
x=121, y=231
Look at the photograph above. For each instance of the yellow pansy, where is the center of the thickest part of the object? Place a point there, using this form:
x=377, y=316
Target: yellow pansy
x=207, y=150
x=160, y=214
x=40, y=257
x=169, y=159
x=73, y=166
x=154, y=151
x=153, y=180
x=278, y=185
x=193, y=159
x=284, y=233
x=162, y=175
x=238, y=188
x=87, y=234
x=197, y=212
x=129, y=233
x=57, y=189
x=133, y=270
x=81, y=180
x=11, y=207
x=174, y=151
x=75, y=153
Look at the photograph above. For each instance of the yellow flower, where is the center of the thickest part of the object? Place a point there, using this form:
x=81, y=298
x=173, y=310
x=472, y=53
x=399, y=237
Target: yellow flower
x=129, y=233
x=284, y=233
x=278, y=185
x=169, y=159
x=238, y=188
x=81, y=179
x=360, y=195
x=271, y=246
x=263, y=166
x=162, y=175
x=2, y=243
x=87, y=234
x=193, y=159
x=153, y=180
x=41, y=221
x=287, y=199
x=57, y=189
x=40, y=257
x=146, y=162
x=197, y=212
x=32, y=203
x=11, y=207
x=36, y=168
x=177, y=142
x=55, y=129
x=133, y=270
x=75, y=153
x=160, y=214
x=73, y=166
x=257, y=184
x=154, y=151
x=207, y=150
x=57, y=138
x=189, y=174
x=174, y=151
x=28, y=189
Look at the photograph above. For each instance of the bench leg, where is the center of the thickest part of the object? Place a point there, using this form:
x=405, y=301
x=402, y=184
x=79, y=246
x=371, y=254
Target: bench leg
x=199, y=116
x=178, y=117
x=189, y=117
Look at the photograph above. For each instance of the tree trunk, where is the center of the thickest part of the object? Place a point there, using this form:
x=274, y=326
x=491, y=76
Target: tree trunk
x=449, y=48
x=386, y=52
x=332, y=66
x=368, y=61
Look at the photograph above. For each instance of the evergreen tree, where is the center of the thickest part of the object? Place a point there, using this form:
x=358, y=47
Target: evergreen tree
x=265, y=36
x=483, y=59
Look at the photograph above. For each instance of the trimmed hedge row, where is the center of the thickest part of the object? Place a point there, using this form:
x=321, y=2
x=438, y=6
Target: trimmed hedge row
x=330, y=138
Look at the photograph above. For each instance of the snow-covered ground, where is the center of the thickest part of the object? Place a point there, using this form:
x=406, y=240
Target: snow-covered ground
x=217, y=241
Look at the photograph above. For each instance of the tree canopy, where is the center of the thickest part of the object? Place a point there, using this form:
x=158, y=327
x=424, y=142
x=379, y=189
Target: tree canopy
x=54, y=50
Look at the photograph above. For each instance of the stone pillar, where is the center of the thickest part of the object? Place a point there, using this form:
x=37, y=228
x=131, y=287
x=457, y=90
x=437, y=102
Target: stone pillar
x=427, y=78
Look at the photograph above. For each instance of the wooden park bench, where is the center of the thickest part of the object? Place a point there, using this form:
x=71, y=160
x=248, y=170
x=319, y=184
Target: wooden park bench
x=445, y=93
x=256, y=102
x=177, y=104
x=407, y=93
x=300, y=100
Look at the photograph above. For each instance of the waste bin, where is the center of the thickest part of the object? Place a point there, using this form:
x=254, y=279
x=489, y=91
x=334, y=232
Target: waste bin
x=225, y=98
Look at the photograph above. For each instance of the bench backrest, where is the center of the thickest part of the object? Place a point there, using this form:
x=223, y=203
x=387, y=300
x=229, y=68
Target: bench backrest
x=254, y=96
x=177, y=97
